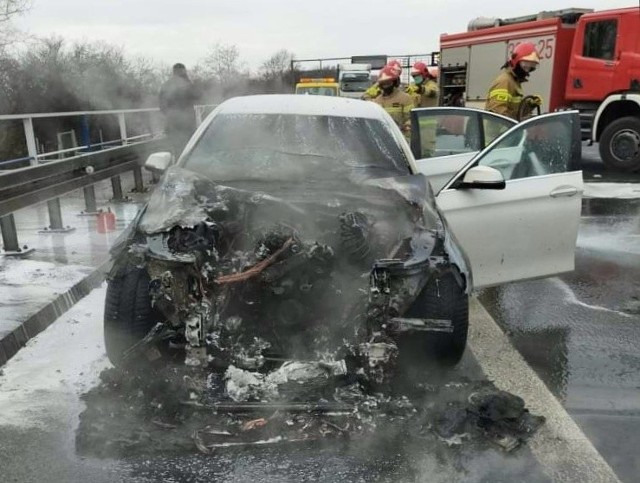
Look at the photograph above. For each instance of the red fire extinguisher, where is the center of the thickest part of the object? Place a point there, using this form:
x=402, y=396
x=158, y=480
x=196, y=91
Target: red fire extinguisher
x=106, y=221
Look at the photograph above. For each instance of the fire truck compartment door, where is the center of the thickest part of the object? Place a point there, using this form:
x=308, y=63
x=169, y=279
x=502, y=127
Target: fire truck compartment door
x=445, y=139
x=527, y=229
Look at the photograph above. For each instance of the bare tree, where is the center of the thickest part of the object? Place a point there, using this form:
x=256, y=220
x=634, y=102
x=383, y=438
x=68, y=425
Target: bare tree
x=223, y=64
x=277, y=66
x=9, y=9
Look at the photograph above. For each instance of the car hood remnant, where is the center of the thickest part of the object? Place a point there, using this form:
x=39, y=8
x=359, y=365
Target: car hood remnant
x=247, y=276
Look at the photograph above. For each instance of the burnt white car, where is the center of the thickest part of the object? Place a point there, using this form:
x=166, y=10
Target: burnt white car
x=291, y=225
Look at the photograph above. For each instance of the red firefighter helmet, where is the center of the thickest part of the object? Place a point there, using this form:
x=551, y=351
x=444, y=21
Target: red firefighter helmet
x=420, y=68
x=395, y=65
x=388, y=73
x=525, y=51
x=434, y=72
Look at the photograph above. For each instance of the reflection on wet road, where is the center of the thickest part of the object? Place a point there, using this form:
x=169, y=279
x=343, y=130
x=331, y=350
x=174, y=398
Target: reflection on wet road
x=580, y=331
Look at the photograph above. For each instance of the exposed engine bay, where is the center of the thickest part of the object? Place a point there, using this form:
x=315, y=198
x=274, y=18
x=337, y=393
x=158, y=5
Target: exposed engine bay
x=240, y=278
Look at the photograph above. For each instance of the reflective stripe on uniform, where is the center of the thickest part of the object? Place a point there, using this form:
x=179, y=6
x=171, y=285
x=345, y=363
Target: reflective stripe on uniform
x=502, y=95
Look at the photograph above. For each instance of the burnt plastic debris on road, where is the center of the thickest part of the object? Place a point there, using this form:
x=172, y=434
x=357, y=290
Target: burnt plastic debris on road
x=179, y=409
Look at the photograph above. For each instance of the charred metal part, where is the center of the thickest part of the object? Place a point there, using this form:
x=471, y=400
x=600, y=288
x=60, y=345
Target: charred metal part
x=402, y=324
x=259, y=407
x=148, y=345
x=196, y=325
x=204, y=237
x=355, y=236
x=379, y=361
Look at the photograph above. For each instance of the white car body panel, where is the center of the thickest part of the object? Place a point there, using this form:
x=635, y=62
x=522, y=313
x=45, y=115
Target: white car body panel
x=528, y=230
x=518, y=233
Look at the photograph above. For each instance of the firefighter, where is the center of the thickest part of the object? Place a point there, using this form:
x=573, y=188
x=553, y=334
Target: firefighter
x=506, y=94
x=395, y=101
x=424, y=91
x=374, y=90
x=425, y=88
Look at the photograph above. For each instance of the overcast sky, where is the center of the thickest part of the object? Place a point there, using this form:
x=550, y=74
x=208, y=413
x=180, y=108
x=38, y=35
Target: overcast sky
x=171, y=31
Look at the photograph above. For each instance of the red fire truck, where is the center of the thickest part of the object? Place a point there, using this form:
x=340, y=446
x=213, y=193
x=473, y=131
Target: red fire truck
x=590, y=61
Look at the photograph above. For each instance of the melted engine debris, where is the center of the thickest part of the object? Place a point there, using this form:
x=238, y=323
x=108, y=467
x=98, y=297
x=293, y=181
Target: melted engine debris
x=181, y=410
x=246, y=280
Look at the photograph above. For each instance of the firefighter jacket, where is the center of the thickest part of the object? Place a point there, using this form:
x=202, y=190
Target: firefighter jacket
x=425, y=95
x=505, y=95
x=372, y=92
x=398, y=104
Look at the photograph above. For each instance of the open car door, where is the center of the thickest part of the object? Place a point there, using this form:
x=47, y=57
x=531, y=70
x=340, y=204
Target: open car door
x=515, y=208
x=445, y=139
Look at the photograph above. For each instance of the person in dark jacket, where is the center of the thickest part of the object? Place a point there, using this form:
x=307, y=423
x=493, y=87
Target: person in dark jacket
x=177, y=98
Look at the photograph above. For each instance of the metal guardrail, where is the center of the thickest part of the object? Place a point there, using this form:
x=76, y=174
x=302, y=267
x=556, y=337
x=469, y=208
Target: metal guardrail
x=24, y=187
x=34, y=157
x=47, y=180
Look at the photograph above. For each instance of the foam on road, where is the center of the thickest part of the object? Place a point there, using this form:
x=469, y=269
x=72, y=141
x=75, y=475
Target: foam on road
x=44, y=380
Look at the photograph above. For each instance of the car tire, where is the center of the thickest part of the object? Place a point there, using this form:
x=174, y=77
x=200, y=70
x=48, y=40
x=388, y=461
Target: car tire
x=620, y=145
x=128, y=315
x=442, y=298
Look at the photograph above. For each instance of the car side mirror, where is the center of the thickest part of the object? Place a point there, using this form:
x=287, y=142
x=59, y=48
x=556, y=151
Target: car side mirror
x=158, y=162
x=484, y=178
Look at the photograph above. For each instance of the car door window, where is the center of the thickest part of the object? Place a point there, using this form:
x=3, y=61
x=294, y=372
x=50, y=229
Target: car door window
x=444, y=132
x=541, y=146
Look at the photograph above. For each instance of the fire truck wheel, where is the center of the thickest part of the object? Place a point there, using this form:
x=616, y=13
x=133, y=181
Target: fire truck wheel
x=620, y=144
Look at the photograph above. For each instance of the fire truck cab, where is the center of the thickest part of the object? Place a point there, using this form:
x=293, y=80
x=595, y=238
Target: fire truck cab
x=590, y=61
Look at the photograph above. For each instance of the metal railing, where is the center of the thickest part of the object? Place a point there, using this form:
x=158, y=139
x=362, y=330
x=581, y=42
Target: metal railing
x=47, y=179
x=34, y=157
x=52, y=174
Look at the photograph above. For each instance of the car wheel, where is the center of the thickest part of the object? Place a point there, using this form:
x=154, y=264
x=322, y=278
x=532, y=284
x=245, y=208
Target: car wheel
x=442, y=298
x=620, y=144
x=128, y=315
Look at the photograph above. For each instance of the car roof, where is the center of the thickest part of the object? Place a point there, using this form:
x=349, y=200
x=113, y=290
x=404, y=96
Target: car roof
x=301, y=104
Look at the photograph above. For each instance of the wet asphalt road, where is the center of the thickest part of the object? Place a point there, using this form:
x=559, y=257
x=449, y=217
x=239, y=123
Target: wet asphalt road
x=581, y=331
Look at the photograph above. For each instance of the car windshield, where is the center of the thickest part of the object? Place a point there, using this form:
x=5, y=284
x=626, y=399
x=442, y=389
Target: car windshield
x=287, y=147
x=358, y=82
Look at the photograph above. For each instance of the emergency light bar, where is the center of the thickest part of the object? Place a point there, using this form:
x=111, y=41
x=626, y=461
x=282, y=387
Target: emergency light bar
x=324, y=79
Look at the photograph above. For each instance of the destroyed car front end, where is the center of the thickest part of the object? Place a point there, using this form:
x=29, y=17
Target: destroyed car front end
x=342, y=264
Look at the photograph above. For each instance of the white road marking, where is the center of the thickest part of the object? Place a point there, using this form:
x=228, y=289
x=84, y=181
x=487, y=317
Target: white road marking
x=560, y=446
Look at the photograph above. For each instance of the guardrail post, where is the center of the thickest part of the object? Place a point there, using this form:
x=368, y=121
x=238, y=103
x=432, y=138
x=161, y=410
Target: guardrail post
x=55, y=219
x=122, y=122
x=116, y=185
x=55, y=214
x=138, y=181
x=9, y=234
x=90, y=200
x=30, y=136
